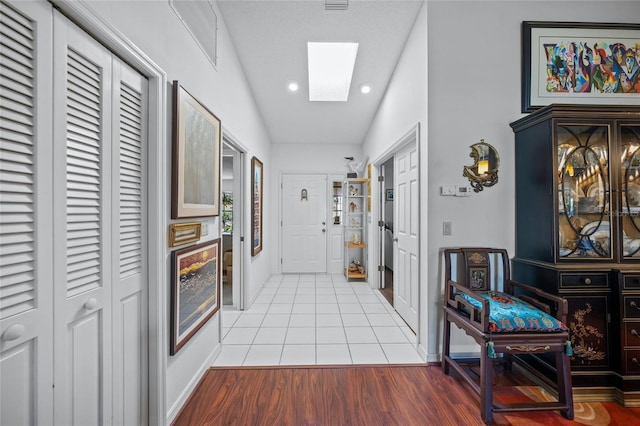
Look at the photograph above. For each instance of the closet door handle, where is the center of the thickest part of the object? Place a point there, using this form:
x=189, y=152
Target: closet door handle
x=90, y=304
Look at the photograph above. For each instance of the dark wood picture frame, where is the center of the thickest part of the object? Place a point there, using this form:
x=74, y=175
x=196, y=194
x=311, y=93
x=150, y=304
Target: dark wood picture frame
x=542, y=39
x=197, y=143
x=257, y=176
x=196, y=273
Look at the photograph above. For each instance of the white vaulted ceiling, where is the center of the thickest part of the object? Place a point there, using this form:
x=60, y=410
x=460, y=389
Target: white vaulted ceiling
x=271, y=37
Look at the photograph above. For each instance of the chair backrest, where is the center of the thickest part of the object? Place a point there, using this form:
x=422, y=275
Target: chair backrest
x=477, y=268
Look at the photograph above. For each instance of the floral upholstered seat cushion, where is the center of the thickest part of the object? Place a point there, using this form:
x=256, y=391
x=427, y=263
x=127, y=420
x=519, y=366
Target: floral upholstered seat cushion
x=508, y=313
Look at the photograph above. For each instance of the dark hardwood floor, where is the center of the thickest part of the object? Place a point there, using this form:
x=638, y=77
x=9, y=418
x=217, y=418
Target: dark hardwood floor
x=336, y=395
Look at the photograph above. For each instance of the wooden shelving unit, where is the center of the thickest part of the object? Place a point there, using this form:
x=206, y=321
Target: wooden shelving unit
x=355, y=236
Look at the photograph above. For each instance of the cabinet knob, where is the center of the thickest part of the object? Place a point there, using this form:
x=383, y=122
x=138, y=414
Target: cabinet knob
x=633, y=304
x=587, y=280
x=633, y=332
x=13, y=332
x=90, y=304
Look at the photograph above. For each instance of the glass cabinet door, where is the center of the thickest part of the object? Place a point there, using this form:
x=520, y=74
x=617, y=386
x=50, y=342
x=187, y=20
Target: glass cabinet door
x=584, y=196
x=336, y=203
x=630, y=190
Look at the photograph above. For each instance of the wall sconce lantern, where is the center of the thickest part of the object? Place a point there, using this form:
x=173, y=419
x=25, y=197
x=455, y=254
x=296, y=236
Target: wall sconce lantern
x=484, y=171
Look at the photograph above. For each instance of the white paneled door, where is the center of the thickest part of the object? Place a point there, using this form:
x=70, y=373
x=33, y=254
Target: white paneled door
x=406, y=265
x=77, y=210
x=304, y=223
x=26, y=264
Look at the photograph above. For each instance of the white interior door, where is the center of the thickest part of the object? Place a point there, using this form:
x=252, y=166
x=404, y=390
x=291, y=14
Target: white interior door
x=406, y=230
x=26, y=264
x=304, y=226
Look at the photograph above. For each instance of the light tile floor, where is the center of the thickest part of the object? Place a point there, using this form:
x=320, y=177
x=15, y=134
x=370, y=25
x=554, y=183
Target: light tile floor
x=316, y=320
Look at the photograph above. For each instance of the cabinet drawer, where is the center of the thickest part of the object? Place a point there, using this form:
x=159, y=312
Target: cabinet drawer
x=631, y=282
x=582, y=280
x=631, y=334
x=632, y=361
x=632, y=307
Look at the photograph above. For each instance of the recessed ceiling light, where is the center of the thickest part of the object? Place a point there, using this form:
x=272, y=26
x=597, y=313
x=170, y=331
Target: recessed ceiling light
x=293, y=86
x=365, y=88
x=330, y=70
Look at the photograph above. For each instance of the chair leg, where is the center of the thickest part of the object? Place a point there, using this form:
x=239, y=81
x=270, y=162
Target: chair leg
x=565, y=393
x=486, y=385
x=446, y=341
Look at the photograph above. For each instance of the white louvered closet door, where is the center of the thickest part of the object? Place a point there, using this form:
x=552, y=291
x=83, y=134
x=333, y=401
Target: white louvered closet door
x=26, y=269
x=82, y=227
x=99, y=256
x=128, y=213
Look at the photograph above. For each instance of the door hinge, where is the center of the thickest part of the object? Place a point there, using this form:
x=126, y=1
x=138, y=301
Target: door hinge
x=608, y=317
x=281, y=223
x=380, y=178
x=281, y=261
x=242, y=239
x=380, y=268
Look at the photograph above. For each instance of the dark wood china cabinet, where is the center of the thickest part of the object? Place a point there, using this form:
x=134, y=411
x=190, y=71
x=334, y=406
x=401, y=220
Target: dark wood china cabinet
x=578, y=235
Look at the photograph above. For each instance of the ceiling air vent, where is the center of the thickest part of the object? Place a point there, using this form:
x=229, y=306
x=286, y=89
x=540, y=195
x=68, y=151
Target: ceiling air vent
x=336, y=5
x=201, y=21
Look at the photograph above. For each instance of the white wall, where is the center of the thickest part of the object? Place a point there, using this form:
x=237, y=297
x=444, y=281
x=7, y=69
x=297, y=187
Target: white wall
x=403, y=107
x=474, y=92
x=156, y=30
x=303, y=158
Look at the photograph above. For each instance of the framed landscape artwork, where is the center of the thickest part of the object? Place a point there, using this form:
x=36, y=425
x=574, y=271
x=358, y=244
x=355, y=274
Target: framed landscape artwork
x=195, y=186
x=195, y=290
x=256, y=203
x=579, y=63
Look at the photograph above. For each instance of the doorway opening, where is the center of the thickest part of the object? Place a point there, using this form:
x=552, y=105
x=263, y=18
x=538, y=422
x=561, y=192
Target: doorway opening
x=386, y=243
x=232, y=224
x=397, y=215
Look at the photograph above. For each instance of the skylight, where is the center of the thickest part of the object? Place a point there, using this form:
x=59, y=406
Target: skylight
x=330, y=70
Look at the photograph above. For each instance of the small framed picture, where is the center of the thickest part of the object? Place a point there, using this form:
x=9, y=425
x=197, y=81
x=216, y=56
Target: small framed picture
x=389, y=193
x=184, y=233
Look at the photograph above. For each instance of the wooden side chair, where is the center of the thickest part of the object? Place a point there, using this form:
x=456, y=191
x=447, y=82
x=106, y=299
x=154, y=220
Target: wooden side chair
x=503, y=317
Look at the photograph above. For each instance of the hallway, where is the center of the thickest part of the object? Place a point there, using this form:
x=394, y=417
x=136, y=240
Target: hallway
x=316, y=320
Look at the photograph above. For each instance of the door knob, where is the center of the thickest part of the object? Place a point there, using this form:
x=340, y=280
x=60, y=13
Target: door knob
x=324, y=230
x=90, y=304
x=13, y=332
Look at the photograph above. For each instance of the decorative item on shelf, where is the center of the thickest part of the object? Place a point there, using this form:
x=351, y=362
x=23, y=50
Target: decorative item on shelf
x=355, y=223
x=355, y=239
x=353, y=207
x=356, y=266
x=353, y=190
x=484, y=171
x=356, y=166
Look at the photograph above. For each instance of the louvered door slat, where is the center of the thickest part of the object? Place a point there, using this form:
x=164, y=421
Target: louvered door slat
x=84, y=164
x=131, y=122
x=17, y=189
